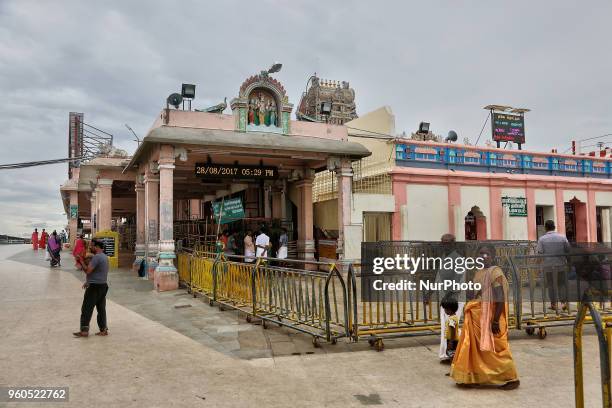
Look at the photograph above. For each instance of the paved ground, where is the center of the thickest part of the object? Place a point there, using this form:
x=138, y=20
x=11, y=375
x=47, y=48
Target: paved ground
x=170, y=349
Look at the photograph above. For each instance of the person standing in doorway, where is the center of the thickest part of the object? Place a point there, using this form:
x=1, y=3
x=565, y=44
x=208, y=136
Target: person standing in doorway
x=262, y=243
x=96, y=288
x=35, y=239
x=283, y=244
x=556, y=247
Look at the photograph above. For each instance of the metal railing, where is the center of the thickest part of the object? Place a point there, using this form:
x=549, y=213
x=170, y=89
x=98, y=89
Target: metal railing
x=548, y=288
x=325, y=301
x=604, y=337
x=306, y=296
x=415, y=312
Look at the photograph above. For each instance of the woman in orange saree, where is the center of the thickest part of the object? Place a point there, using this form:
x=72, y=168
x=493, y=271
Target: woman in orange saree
x=483, y=355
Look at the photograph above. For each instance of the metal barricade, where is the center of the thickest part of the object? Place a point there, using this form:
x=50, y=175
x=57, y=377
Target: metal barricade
x=548, y=288
x=202, y=273
x=291, y=293
x=404, y=314
x=233, y=283
x=310, y=301
x=603, y=327
x=415, y=312
x=184, y=268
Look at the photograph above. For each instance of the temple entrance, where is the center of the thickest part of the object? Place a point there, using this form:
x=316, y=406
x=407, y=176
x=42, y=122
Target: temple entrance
x=543, y=213
x=603, y=224
x=376, y=226
x=255, y=204
x=576, y=226
x=475, y=225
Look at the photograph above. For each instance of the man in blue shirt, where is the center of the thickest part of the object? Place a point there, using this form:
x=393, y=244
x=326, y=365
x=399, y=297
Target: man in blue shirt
x=96, y=287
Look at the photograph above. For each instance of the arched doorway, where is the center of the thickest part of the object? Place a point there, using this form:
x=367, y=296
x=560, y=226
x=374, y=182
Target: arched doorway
x=576, y=225
x=475, y=225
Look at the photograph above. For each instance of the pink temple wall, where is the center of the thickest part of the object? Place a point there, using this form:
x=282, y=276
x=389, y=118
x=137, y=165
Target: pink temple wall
x=205, y=120
x=586, y=227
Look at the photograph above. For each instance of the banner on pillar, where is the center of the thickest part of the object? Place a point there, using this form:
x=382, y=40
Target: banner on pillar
x=230, y=210
x=74, y=211
x=517, y=206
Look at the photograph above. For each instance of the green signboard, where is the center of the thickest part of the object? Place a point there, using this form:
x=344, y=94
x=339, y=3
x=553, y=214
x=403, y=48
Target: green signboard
x=230, y=209
x=74, y=211
x=517, y=206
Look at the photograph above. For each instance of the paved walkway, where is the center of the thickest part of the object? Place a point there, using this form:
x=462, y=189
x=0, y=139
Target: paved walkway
x=169, y=349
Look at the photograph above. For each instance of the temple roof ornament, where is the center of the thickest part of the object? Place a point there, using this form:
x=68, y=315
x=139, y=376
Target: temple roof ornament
x=262, y=104
x=327, y=101
x=218, y=108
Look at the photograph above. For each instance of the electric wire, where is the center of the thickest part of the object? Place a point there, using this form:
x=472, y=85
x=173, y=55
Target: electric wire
x=37, y=163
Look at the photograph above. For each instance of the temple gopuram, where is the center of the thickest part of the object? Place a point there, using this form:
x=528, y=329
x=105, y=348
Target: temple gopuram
x=327, y=101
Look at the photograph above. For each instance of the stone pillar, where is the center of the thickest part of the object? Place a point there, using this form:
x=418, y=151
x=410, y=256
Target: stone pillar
x=532, y=229
x=105, y=204
x=560, y=210
x=397, y=221
x=305, y=243
x=455, y=220
x=267, y=207
x=140, y=225
x=344, y=175
x=496, y=214
x=605, y=225
x=166, y=275
x=93, y=211
x=151, y=192
x=73, y=221
x=98, y=229
x=591, y=216
x=283, y=200
x=277, y=204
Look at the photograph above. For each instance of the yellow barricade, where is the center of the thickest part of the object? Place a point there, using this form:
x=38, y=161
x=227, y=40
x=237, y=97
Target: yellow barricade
x=310, y=301
x=547, y=288
x=415, y=312
x=604, y=337
x=234, y=284
x=202, y=275
x=183, y=267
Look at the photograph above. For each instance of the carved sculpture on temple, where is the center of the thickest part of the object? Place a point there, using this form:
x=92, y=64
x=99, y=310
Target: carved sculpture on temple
x=262, y=105
x=327, y=101
x=262, y=109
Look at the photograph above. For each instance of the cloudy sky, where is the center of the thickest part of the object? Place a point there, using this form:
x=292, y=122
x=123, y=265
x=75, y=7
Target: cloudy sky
x=438, y=61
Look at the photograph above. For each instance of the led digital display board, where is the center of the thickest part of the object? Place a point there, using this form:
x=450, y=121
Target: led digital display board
x=508, y=127
x=234, y=171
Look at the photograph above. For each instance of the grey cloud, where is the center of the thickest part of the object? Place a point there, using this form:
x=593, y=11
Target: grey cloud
x=116, y=61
